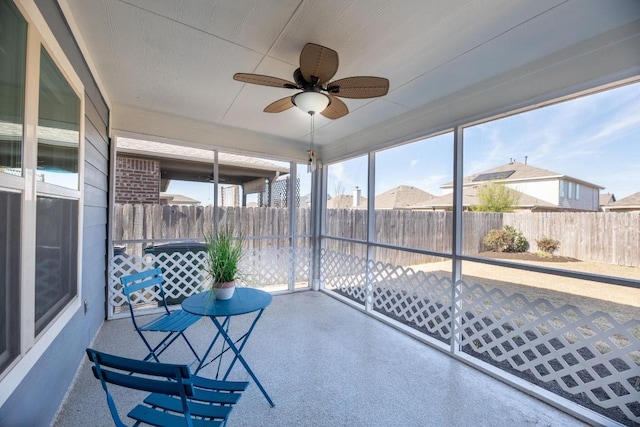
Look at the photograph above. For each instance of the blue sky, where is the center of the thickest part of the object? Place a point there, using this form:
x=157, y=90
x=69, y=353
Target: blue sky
x=594, y=138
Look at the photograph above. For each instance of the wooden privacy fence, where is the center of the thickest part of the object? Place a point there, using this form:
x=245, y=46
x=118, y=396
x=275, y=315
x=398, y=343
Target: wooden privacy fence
x=605, y=237
x=427, y=230
x=158, y=222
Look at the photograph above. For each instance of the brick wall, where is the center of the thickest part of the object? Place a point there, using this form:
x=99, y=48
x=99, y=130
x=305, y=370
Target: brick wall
x=137, y=180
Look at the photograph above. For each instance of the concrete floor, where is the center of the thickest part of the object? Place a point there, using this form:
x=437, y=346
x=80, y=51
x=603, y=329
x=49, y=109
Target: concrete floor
x=326, y=364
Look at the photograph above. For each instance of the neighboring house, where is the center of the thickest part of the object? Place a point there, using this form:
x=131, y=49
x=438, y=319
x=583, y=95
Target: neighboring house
x=346, y=201
x=470, y=198
x=541, y=189
x=177, y=199
x=401, y=197
x=606, y=199
x=627, y=204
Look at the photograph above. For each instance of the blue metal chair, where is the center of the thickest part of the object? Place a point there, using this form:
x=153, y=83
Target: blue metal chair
x=177, y=397
x=138, y=288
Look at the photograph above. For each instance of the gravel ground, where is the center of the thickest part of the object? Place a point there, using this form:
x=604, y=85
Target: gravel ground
x=621, y=302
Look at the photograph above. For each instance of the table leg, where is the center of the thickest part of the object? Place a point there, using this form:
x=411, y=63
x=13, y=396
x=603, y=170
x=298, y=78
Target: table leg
x=237, y=352
x=203, y=362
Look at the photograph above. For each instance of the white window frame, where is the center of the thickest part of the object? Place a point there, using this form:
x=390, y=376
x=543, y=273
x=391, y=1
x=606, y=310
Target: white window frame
x=33, y=347
x=569, y=190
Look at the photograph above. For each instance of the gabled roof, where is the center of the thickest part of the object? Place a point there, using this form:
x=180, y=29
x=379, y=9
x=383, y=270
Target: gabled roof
x=470, y=198
x=401, y=197
x=178, y=199
x=607, y=199
x=629, y=202
x=516, y=172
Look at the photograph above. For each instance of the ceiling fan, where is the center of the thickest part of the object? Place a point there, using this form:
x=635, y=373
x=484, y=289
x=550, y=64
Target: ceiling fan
x=318, y=65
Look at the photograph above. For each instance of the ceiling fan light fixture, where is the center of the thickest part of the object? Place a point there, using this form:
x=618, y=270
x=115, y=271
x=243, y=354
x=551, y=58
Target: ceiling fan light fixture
x=310, y=102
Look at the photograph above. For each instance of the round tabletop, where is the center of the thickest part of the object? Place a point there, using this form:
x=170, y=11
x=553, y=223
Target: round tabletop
x=243, y=301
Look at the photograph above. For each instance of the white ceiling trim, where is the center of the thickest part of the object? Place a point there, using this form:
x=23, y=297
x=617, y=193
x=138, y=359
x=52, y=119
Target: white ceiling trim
x=141, y=124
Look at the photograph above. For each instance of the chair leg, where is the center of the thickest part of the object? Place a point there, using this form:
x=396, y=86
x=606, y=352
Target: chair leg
x=152, y=353
x=190, y=346
x=156, y=351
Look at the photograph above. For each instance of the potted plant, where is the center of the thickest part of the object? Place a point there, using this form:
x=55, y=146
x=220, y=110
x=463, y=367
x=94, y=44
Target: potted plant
x=224, y=253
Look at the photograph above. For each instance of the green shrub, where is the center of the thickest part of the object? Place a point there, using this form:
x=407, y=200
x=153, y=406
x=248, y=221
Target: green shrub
x=548, y=245
x=497, y=240
x=507, y=239
x=519, y=243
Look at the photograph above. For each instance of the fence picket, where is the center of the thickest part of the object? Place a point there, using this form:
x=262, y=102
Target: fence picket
x=604, y=237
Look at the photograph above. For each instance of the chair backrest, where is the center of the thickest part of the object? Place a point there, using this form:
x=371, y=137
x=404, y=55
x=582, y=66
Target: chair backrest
x=164, y=378
x=139, y=283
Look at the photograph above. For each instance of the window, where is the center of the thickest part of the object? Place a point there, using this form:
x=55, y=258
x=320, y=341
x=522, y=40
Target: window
x=347, y=198
x=58, y=126
x=561, y=189
x=13, y=48
x=39, y=232
x=10, y=277
x=412, y=197
x=577, y=191
x=569, y=190
x=56, y=257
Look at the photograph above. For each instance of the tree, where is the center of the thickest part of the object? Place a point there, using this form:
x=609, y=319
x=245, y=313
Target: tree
x=338, y=188
x=496, y=197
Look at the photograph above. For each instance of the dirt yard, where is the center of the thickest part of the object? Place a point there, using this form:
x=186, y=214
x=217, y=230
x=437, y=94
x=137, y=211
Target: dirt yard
x=621, y=302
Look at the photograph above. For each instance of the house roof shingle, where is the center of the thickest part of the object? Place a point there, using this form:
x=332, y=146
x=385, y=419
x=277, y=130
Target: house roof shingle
x=345, y=201
x=470, y=198
x=629, y=202
x=607, y=199
x=402, y=197
x=521, y=172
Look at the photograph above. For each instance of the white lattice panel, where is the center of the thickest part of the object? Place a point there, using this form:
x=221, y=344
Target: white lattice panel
x=302, y=264
x=592, y=356
x=421, y=300
x=267, y=267
x=344, y=273
x=184, y=274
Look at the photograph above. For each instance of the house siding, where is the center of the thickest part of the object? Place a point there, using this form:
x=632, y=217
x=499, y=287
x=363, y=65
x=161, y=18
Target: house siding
x=589, y=197
x=543, y=190
x=32, y=404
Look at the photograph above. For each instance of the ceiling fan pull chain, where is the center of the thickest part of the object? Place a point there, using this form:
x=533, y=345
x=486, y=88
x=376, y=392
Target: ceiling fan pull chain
x=311, y=165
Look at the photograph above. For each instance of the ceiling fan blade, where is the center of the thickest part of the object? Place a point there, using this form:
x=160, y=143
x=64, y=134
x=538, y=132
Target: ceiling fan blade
x=359, y=87
x=336, y=109
x=279, y=106
x=258, y=79
x=318, y=61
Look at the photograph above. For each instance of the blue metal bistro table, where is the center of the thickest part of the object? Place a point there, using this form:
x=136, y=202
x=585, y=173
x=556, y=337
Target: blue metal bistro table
x=244, y=301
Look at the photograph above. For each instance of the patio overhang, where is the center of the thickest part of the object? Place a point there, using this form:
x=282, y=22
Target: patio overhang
x=173, y=75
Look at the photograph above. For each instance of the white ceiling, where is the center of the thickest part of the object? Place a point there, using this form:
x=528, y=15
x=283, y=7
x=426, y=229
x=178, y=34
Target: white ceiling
x=166, y=66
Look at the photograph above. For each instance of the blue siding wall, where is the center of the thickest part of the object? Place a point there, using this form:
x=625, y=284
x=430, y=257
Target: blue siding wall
x=36, y=400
